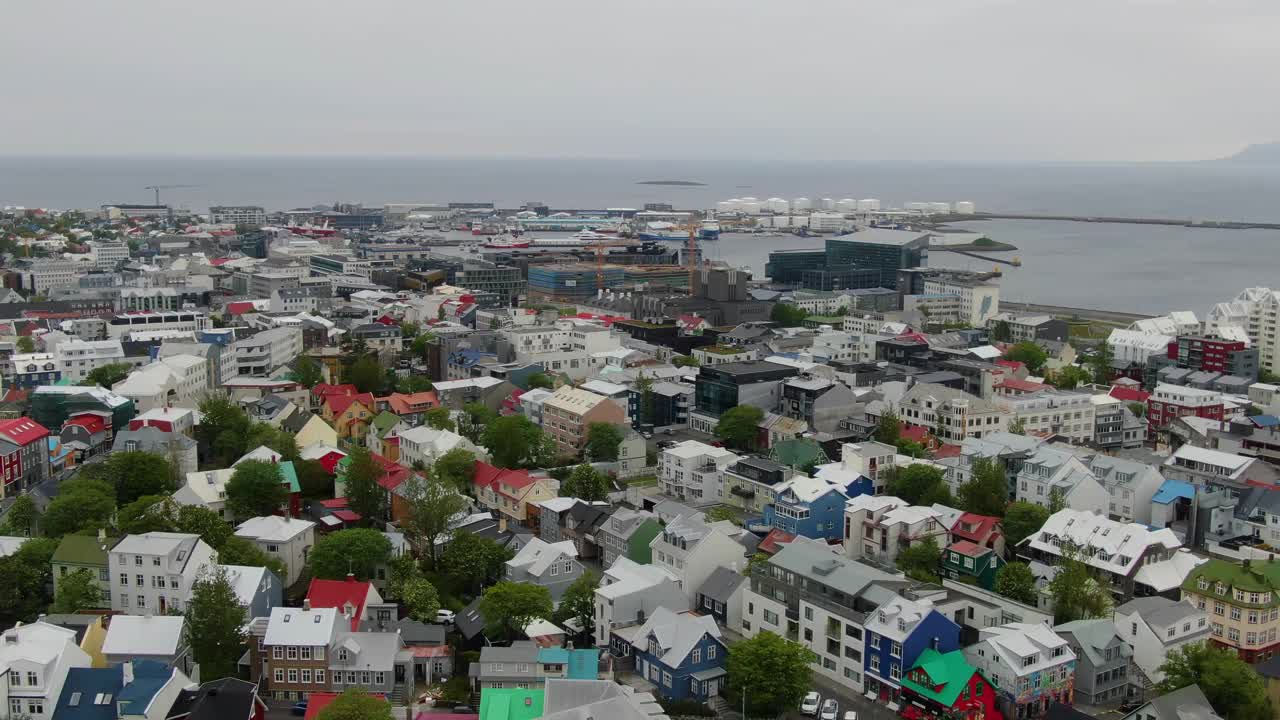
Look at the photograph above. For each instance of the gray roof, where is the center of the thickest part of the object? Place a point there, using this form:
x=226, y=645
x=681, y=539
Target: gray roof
x=151, y=439
x=1160, y=612
x=375, y=650
x=810, y=559
x=721, y=584
x=469, y=622
x=411, y=631
x=1093, y=637
x=1188, y=703
x=587, y=699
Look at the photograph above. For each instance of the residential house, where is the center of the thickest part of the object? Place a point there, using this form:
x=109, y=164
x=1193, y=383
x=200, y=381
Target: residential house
x=257, y=589
x=356, y=601
x=510, y=492
x=289, y=652
x=1030, y=666
x=228, y=699
x=87, y=434
x=289, y=540
x=967, y=562
x=84, y=552
x=90, y=630
x=751, y=483
x=370, y=661
x=552, y=566
x=154, y=572
x=410, y=407
x=1156, y=626
x=37, y=659
x=690, y=471
x=951, y=415
x=1244, y=598
x=627, y=533
x=981, y=530
x=349, y=415
x=878, y=527
x=1048, y=472
x=682, y=654
x=524, y=665
x=581, y=527
x=24, y=455
x=692, y=549
x=176, y=380
x=131, y=690
x=425, y=445
x=1103, y=659
x=159, y=638
x=946, y=685
x=207, y=489
x=383, y=438
x=721, y=597
x=568, y=413
x=807, y=506
x=629, y=592
x=1181, y=704
x=552, y=515
x=169, y=419
x=315, y=431
x=155, y=440
x=895, y=635
x=819, y=402
x=432, y=655
x=1131, y=485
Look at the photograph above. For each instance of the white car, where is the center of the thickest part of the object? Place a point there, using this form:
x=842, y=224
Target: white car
x=445, y=616
x=809, y=706
x=830, y=710
x=850, y=715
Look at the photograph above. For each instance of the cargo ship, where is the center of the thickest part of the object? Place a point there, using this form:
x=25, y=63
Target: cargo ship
x=709, y=230
x=506, y=243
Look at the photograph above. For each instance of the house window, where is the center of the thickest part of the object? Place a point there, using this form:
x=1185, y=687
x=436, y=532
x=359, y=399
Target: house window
x=306, y=676
x=319, y=677
x=32, y=679
x=875, y=663
x=896, y=649
x=124, y=578
x=696, y=656
x=304, y=653
x=279, y=675
x=666, y=678
x=277, y=652
x=291, y=652
x=874, y=641
x=895, y=671
x=293, y=675
x=711, y=652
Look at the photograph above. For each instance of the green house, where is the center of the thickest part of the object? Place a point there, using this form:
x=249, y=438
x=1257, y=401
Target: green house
x=510, y=704
x=84, y=552
x=798, y=453
x=963, y=559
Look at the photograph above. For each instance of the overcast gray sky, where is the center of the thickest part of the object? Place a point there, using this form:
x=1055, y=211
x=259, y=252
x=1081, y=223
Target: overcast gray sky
x=921, y=80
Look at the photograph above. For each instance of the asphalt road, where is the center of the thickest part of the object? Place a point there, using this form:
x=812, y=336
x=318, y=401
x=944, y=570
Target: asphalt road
x=849, y=700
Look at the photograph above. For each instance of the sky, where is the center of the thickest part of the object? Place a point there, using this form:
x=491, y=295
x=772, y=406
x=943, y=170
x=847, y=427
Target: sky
x=795, y=80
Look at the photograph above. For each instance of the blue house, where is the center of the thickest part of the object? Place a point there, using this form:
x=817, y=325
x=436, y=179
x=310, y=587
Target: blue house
x=117, y=691
x=894, y=635
x=809, y=507
x=680, y=653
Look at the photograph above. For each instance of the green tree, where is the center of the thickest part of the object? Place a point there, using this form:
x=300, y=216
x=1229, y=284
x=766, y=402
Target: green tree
x=987, y=492
x=135, y=474
x=1100, y=363
x=1017, y=427
x=314, y=481
x=307, y=372
x=476, y=562
x=739, y=426
x=787, y=315
x=432, y=504
x=586, y=483
x=107, y=375
x=1001, y=332
x=409, y=330
x=356, y=704
x=457, y=469
x=222, y=431
x=685, y=361
x=77, y=591
x=1029, y=354
x=1232, y=687
x=420, y=599
x=920, y=561
x=439, y=419
x=603, y=440
x=579, y=603
x=910, y=448
x=644, y=384
x=236, y=550
x=1138, y=409
x=366, y=374
x=26, y=344
x=773, y=672
x=82, y=504
x=1022, y=520
x=273, y=438
x=916, y=483
x=360, y=481
x=1078, y=592
x=215, y=625
x=541, y=380
x=359, y=551
x=1070, y=377
x=149, y=513
x=512, y=441
x=27, y=575
x=402, y=569
x=508, y=607
x=23, y=517
x=475, y=418
x=1057, y=500
x=206, y=523
x=255, y=490
x=888, y=428
x=1016, y=582
x=413, y=384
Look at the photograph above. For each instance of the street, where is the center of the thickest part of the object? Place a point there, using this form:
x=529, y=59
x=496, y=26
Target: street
x=848, y=699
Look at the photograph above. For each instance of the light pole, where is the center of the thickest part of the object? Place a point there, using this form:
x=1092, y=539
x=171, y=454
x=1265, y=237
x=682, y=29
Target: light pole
x=744, y=703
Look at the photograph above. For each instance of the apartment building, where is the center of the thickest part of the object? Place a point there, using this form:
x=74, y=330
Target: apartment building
x=979, y=300
x=951, y=415
x=290, y=658
x=24, y=455
x=1170, y=402
x=1066, y=414
x=154, y=325
x=691, y=471
x=1244, y=599
x=107, y=255
x=568, y=413
x=1214, y=468
x=1103, y=659
x=268, y=350
x=1156, y=626
x=878, y=527
x=723, y=387
x=177, y=380
x=44, y=275
x=630, y=591
x=553, y=566
x=1130, y=484
x=1048, y=471
x=1030, y=666
x=895, y=635
x=154, y=572
x=237, y=215
x=77, y=358
x=288, y=540
x=691, y=549
x=627, y=533
x=36, y=659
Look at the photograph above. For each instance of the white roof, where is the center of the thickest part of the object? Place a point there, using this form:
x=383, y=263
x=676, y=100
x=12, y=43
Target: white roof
x=169, y=413
x=479, y=382
x=1109, y=545
x=540, y=628
x=1168, y=574
x=559, y=504
x=885, y=620
x=600, y=387
x=1016, y=641
x=574, y=399
x=805, y=488
x=39, y=642
x=273, y=528
x=158, y=635
x=245, y=581
x=295, y=626
x=262, y=452
x=102, y=395
x=155, y=543
x=874, y=503
x=315, y=451
x=987, y=352
x=692, y=449
x=1190, y=453
x=626, y=576
x=676, y=633
x=10, y=544
x=204, y=487
x=537, y=555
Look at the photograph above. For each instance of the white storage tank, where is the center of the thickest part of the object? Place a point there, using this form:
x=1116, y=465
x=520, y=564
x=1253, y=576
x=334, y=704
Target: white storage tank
x=750, y=206
x=827, y=204
x=869, y=205
x=939, y=208
x=963, y=207
x=916, y=206
x=750, y=199
x=726, y=207
x=777, y=205
x=800, y=204
x=845, y=205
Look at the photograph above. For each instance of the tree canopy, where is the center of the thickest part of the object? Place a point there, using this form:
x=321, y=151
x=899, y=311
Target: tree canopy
x=81, y=504
x=603, y=439
x=1016, y=582
x=920, y=560
x=919, y=485
x=540, y=380
x=432, y=504
x=1029, y=354
x=307, y=372
x=474, y=561
x=513, y=441
x=739, y=426
x=1230, y=685
x=360, y=482
x=888, y=429
x=356, y=704
x=27, y=577
x=255, y=490
x=107, y=375
x=579, y=603
x=236, y=550
x=508, y=607
x=133, y=475
x=366, y=374
x=77, y=590
x=773, y=672
x=585, y=483
x=1069, y=377
x=215, y=625
x=1079, y=593
x=438, y=418
x=457, y=469
x=787, y=315
x=1023, y=519
x=987, y=492
x=360, y=551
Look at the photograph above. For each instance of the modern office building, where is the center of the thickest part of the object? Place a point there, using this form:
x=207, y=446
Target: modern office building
x=722, y=387
x=876, y=248
x=237, y=215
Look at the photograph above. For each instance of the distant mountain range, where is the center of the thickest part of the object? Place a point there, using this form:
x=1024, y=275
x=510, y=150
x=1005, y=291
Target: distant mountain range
x=1259, y=154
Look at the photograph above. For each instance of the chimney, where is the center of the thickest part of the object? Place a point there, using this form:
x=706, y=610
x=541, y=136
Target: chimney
x=351, y=577
x=306, y=603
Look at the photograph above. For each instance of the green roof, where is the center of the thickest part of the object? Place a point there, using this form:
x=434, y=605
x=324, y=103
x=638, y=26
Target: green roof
x=510, y=704
x=948, y=670
x=289, y=476
x=384, y=421
x=83, y=550
x=723, y=350
x=1261, y=576
x=798, y=453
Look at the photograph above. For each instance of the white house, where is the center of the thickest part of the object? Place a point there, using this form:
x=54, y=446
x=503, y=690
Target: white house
x=171, y=381
x=161, y=638
x=878, y=527
x=77, y=358
x=207, y=488
x=1130, y=484
x=153, y=572
x=691, y=471
x=287, y=539
x=691, y=548
x=260, y=354
x=554, y=566
x=629, y=592
x=425, y=444
x=1051, y=470
x=1028, y=663
x=35, y=658
x=1155, y=627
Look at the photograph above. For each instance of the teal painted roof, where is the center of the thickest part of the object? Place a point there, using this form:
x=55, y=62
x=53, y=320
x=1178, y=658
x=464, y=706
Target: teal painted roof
x=289, y=475
x=579, y=664
x=949, y=670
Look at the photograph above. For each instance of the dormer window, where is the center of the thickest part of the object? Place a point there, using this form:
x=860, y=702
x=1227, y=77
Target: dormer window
x=1220, y=589
x=1028, y=661
x=1202, y=584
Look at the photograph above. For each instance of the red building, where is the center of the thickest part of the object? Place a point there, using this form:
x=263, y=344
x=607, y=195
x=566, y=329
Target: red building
x=24, y=455
x=982, y=530
x=944, y=685
x=1170, y=402
x=1213, y=354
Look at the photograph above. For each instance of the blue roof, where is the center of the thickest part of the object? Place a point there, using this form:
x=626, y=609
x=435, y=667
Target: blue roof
x=579, y=664
x=84, y=686
x=1173, y=489
x=1265, y=420
x=149, y=677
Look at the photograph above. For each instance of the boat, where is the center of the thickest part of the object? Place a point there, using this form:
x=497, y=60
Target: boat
x=313, y=231
x=709, y=230
x=506, y=243
x=484, y=228
x=590, y=235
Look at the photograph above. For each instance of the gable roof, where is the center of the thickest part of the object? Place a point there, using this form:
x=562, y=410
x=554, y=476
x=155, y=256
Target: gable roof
x=22, y=431
x=158, y=635
x=676, y=634
x=950, y=670
x=337, y=593
x=721, y=584
x=89, y=693
x=220, y=699
x=338, y=404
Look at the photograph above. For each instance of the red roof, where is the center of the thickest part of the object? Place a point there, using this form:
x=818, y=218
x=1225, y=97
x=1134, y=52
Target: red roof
x=240, y=308
x=914, y=336
x=982, y=527
x=947, y=451
x=323, y=390
x=334, y=503
x=914, y=433
x=406, y=403
x=490, y=476
x=338, y=593
x=92, y=423
x=1128, y=394
x=1014, y=365
x=964, y=547
x=1023, y=385
x=22, y=431
x=348, y=516
x=774, y=541
x=339, y=403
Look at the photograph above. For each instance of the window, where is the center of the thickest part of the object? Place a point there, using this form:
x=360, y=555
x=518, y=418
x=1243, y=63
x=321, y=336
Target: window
x=15, y=707
x=1235, y=613
x=304, y=653
x=771, y=617
x=711, y=652
x=1253, y=617
x=379, y=678
x=875, y=663
x=1171, y=631
x=279, y=675
x=142, y=601
x=293, y=675
x=277, y=652
x=137, y=560
x=1219, y=608
x=319, y=677
x=32, y=679
x=896, y=649
x=874, y=641
x=666, y=678
x=895, y=671
x=291, y=652
x=306, y=676
x=696, y=656
x=35, y=707
x=808, y=613
x=140, y=580
x=319, y=653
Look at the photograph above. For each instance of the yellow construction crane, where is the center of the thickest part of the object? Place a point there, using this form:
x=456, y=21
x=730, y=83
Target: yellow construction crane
x=599, y=247
x=691, y=250
x=158, y=188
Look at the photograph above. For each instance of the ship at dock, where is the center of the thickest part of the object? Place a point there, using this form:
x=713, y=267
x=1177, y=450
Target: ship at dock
x=664, y=231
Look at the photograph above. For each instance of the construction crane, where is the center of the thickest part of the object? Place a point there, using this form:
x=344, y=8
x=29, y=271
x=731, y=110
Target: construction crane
x=691, y=251
x=158, y=188
x=599, y=247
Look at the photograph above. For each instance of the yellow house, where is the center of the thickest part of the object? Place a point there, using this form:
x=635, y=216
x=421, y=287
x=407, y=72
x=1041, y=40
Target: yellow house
x=316, y=431
x=350, y=415
x=510, y=491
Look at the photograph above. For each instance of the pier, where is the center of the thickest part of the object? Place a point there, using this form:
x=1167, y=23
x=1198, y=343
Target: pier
x=1210, y=224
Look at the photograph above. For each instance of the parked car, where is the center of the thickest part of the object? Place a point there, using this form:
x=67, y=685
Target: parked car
x=850, y=715
x=299, y=708
x=445, y=616
x=830, y=710
x=809, y=706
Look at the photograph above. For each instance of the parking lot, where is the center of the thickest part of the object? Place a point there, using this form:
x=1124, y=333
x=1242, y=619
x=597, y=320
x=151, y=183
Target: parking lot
x=866, y=709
